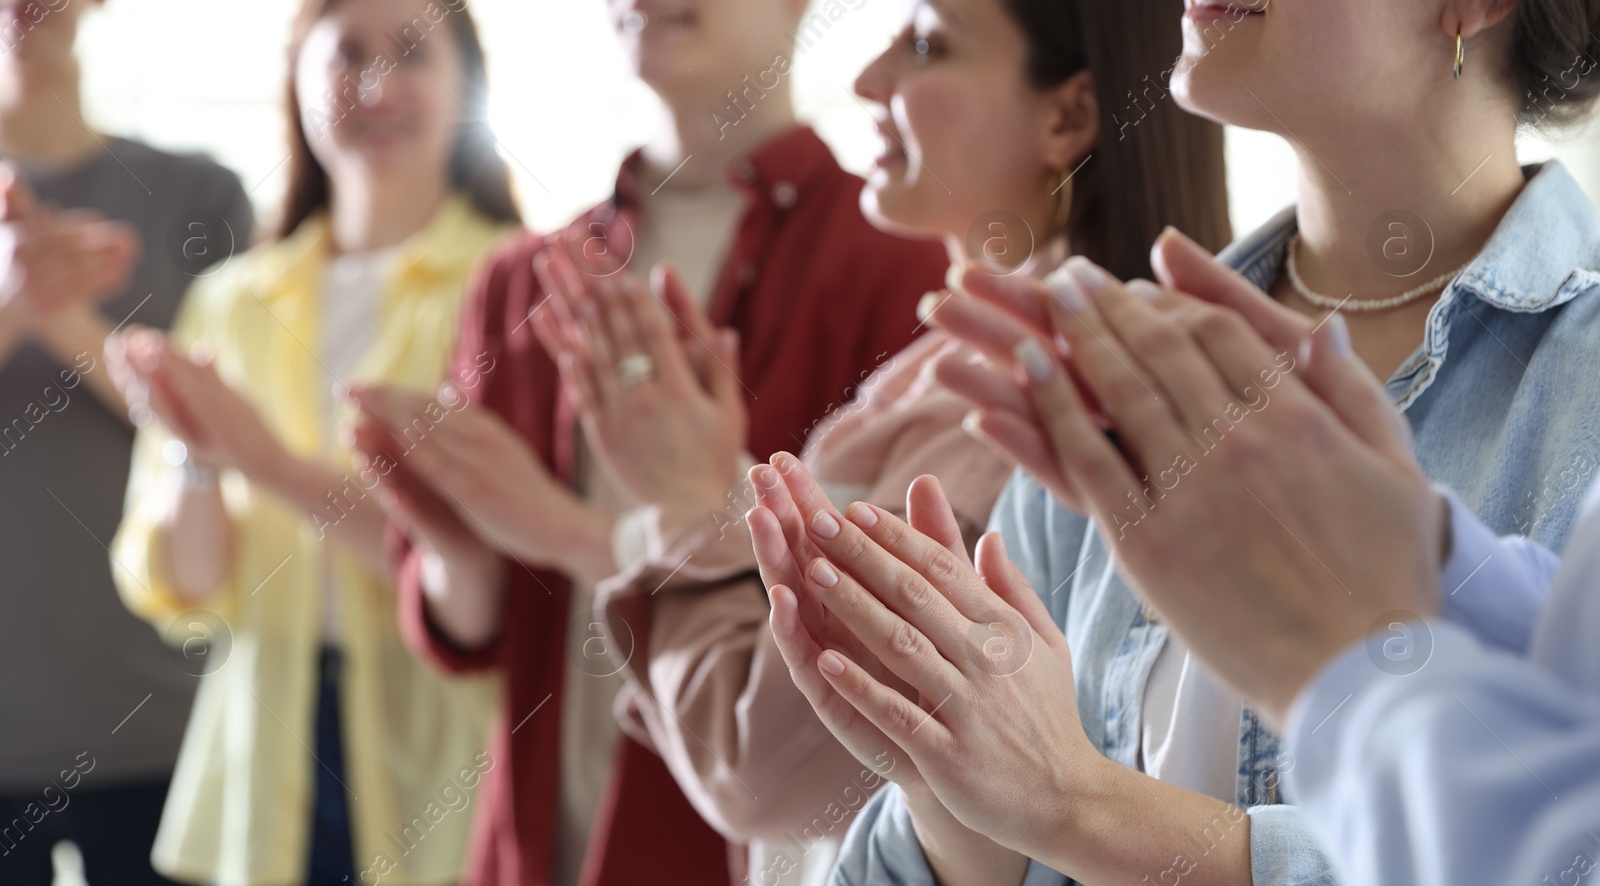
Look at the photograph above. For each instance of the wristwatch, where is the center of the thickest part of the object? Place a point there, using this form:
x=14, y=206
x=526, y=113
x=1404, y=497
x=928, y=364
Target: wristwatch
x=195, y=475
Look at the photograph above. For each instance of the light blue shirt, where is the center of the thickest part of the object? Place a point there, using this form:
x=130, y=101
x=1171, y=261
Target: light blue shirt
x=1501, y=396
x=1481, y=767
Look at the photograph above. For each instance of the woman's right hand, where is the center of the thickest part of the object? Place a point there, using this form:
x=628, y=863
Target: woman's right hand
x=673, y=435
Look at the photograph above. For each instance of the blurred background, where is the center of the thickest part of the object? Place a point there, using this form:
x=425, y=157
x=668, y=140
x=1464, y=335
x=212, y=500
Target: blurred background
x=565, y=109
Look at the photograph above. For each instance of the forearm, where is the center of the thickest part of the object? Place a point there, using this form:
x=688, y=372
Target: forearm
x=463, y=595
x=1381, y=764
x=958, y=855
x=198, y=538
x=342, y=511
x=76, y=337
x=1124, y=826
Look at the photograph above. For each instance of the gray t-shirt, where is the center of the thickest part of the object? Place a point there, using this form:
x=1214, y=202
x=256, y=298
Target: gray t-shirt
x=78, y=672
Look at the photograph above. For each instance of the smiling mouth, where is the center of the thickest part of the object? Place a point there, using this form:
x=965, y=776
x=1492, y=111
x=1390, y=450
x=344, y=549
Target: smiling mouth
x=637, y=21
x=1213, y=8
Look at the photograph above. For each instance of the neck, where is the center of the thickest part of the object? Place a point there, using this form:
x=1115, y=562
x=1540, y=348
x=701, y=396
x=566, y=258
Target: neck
x=1458, y=179
x=700, y=150
x=41, y=117
x=367, y=214
x=1046, y=257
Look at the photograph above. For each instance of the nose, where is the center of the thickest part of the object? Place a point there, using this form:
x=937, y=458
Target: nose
x=876, y=81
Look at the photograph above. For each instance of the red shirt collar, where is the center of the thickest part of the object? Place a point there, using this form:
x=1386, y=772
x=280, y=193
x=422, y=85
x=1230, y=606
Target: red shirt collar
x=779, y=171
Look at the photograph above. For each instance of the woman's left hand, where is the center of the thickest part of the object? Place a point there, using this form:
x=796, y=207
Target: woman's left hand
x=1002, y=746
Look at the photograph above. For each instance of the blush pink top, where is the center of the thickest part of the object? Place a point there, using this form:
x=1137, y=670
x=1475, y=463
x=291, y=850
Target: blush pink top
x=705, y=684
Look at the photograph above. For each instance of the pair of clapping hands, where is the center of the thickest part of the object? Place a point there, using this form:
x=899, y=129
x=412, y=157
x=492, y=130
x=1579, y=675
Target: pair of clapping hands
x=54, y=261
x=670, y=438
x=1269, y=551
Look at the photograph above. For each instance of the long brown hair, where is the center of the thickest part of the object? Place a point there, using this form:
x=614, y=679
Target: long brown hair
x=476, y=168
x=1156, y=164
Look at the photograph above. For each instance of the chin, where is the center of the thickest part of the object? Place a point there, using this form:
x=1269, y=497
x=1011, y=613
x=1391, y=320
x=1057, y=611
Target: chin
x=895, y=209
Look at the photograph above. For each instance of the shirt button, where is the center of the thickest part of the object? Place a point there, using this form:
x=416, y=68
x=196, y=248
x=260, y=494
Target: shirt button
x=785, y=195
x=747, y=170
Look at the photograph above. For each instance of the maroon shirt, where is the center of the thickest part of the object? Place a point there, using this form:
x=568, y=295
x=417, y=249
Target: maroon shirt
x=819, y=298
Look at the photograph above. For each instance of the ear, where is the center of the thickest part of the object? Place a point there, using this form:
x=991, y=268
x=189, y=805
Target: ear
x=1470, y=18
x=1071, y=122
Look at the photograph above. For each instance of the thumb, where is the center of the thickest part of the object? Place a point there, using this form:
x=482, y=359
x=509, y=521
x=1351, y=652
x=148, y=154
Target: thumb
x=1186, y=266
x=1331, y=370
x=17, y=202
x=1005, y=579
x=725, y=381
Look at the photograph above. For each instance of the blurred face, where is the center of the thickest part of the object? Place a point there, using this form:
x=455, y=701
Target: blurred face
x=699, y=47
x=964, y=132
x=1314, y=66
x=376, y=82
x=36, y=36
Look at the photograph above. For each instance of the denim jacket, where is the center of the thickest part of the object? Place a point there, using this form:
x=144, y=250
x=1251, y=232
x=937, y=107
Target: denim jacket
x=1503, y=397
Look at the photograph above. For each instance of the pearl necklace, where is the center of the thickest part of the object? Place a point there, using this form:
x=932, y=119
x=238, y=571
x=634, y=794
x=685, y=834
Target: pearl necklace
x=1362, y=306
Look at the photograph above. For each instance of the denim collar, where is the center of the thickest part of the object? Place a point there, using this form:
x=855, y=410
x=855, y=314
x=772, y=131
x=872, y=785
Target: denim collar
x=1542, y=255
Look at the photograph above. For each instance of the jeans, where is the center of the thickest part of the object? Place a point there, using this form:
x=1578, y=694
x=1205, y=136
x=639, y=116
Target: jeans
x=113, y=828
x=332, y=858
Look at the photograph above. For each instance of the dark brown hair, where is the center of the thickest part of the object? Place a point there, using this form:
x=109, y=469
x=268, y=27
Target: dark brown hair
x=1553, y=60
x=1156, y=164
x=476, y=168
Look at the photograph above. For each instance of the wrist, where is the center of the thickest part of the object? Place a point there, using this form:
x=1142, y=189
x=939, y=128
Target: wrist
x=585, y=550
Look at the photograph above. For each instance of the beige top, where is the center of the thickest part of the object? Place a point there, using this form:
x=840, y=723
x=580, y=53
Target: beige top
x=692, y=228
x=706, y=686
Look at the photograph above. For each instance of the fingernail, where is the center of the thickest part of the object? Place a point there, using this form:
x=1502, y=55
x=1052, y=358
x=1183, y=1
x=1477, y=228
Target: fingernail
x=953, y=276
x=927, y=304
x=862, y=515
x=1339, y=334
x=1145, y=289
x=825, y=526
x=784, y=462
x=766, y=477
x=1066, y=293
x=832, y=663
x=1034, y=360
x=1088, y=275
x=969, y=422
x=823, y=574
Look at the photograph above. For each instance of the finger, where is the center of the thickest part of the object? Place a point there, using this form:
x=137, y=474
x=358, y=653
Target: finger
x=928, y=511
x=19, y=202
x=1022, y=298
x=901, y=722
x=1334, y=374
x=773, y=494
x=1165, y=347
x=800, y=653
x=982, y=383
x=673, y=293
x=911, y=579
x=1024, y=442
x=616, y=308
x=1184, y=265
x=1008, y=582
x=602, y=354
x=1130, y=396
x=907, y=652
x=658, y=336
x=981, y=324
x=1097, y=473
x=773, y=555
x=725, y=381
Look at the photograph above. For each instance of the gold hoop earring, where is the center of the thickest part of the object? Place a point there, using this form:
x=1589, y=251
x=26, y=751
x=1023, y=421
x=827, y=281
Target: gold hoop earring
x=1063, y=198
x=1461, y=53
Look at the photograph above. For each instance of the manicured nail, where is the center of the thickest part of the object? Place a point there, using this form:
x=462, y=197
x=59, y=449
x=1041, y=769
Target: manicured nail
x=766, y=477
x=832, y=663
x=1088, y=274
x=927, y=305
x=1066, y=292
x=862, y=515
x=953, y=276
x=823, y=574
x=1034, y=360
x=1339, y=334
x=1145, y=289
x=969, y=423
x=825, y=526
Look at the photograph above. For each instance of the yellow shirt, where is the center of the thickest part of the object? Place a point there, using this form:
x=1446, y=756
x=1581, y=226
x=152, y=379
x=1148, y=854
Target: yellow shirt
x=239, y=808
